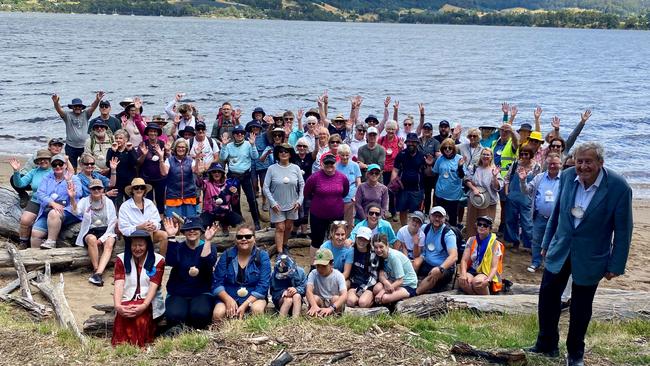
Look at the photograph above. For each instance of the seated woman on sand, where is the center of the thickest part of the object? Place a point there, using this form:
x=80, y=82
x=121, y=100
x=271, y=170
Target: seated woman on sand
x=481, y=266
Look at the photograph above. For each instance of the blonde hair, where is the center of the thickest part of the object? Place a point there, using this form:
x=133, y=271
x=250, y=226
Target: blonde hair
x=473, y=130
x=448, y=142
x=391, y=124
x=480, y=160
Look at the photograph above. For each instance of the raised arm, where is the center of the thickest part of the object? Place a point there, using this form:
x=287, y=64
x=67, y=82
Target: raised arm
x=577, y=130
x=419, y=128
x=505, y=107
x=538, y=115
x=396, y=110
x=384, y=119
x=98, y=97
x=57, y=106
x=513, y=114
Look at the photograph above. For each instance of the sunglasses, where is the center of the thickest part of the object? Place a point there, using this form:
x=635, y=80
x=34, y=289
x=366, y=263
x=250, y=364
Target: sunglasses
x=288, y=119
x=335, y=142
x=408, y=124
x=139, y=188
x=374, y=213
x=483, y=224
x=374, y=172
x=96, y=188
x=104, y=106
x=89, y=164
x=474, y=136
x=361, y=130
x=373, y=122
x=339, y=222
x=524, y=154
x=283, y=151
x=57, y=164
x=329, y=163
x=338, y=122
x=278, y=135
x=244, y=236
x=311, y=124
x=305, y=146
x=448, y=148
x=556, y=146
x=238, y=133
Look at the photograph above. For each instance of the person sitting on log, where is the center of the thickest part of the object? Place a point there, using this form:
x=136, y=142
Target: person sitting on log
x=189, y=300
x=342, y=253
x=55, y=193
x=326, y=291
x=288, y=282
x=397, y=278
x=32, y=178
x=140, y=213
x=137, y=296
x=54, y=146
x=363, y=276
x=437, y=263
x=89, y=173
x=410, y=238
x=481, y=266
x=97, y=228
x=241, y=278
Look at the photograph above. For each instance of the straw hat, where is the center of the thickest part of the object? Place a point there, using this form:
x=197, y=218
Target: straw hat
x=481, y=200
x=137, y=182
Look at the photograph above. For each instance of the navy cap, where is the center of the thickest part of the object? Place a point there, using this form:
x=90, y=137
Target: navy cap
x=238, y=129
x=427, y=125
x=443, y=123
x=525, y=127
x=412, y=137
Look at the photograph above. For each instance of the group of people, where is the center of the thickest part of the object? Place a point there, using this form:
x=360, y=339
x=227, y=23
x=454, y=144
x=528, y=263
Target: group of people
x=342, y=181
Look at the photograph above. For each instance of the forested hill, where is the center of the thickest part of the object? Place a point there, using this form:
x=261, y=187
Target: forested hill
x=628, y=14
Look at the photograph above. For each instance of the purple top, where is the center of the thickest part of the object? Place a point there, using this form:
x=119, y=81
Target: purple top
x=367, y=194
x=326, y=194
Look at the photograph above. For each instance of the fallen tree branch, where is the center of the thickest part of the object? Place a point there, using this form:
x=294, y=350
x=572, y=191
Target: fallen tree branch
x=509, y=357
x=13, y=285
x=37, y=311
x=314, y=351
x=25, y=292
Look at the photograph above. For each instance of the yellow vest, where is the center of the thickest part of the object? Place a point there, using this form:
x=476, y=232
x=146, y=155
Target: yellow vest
x=507, y=156
x=486, y=264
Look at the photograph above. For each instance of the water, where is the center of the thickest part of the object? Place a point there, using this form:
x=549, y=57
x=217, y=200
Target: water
x=461, y=73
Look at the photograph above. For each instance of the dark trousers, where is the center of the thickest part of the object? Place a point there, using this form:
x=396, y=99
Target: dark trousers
x=195, y=312
x=73, y=153
x=429, y=184
x=157, y=194
x=245, y=183
x=21, y=191
x=391, y=196
x=452, y=209
x=319, y=228
x=549, y=308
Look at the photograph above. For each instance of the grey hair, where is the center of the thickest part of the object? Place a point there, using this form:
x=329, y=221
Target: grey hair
x=122, y=132
x=473, y=130
x=391, y=124
x=597, y=147
x=344, y=149
x=302, y=141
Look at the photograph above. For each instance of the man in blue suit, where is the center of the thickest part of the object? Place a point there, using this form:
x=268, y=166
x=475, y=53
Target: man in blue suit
x=588, y=236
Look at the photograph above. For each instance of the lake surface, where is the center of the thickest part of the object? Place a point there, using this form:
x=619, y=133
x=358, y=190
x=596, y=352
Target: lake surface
x=461, y=73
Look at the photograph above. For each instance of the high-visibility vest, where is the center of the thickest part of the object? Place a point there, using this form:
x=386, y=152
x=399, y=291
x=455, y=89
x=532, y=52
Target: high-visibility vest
x=486, y=264
x=507, y=156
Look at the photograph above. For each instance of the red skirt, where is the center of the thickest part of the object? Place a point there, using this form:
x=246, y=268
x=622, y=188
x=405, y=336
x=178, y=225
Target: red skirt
x=138, y=331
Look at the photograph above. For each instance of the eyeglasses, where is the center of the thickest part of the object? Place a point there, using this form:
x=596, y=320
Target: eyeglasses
x=283, y=151
x=181, y=147
x=374, y=213
x=448, y=148
x=339, y=222
x=139, y=188
x=474, y=136
x=57, y=164
x=238, y=133
x=304, y=146
x=554, y=146
x=523, y=155
x=244, y=236
x=92, y=163
x=483, y=224
x=335, y=142
x=96, y=188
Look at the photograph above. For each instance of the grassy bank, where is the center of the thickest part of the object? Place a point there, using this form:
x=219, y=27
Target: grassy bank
x=386, y=340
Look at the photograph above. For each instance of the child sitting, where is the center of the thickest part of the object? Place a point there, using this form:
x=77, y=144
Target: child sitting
x=287, y=286
x=326, y=291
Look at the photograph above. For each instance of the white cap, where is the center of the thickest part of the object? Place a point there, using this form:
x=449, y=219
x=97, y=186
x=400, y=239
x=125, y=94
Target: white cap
x=438, y=209
x=364, y=232
x=312, y=119
x=373, y=130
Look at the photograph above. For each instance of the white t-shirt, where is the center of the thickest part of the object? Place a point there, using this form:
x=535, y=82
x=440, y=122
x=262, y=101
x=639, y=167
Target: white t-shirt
x=208, y=151
x=405, y=237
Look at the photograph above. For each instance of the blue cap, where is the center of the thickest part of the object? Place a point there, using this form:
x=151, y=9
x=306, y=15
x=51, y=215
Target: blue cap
x=251, y=124
x=193, y=222
x=239, y=129
x=373, y=167
x=427, y=125
x=76, y=102
x=258, y=110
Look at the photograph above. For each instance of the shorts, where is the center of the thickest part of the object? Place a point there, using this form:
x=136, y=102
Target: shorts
x=32, y=207
x=281, y=216
x=410, y=290
x=184, y=210
x=358, y=288
x=96, y=231
x=68, y=219
x=409, y=200
x=446, y=279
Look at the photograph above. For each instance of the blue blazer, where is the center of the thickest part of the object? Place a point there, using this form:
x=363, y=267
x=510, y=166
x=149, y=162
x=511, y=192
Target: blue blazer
x=601, y=242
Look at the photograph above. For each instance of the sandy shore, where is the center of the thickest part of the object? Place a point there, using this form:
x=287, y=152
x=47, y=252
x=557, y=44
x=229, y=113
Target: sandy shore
x=81, y=295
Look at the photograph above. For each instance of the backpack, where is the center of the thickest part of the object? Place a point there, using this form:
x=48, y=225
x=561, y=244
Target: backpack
x=209, y=140
x=460, y=242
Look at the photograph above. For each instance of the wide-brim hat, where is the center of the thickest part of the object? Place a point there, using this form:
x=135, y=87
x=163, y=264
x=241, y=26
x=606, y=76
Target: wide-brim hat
x=42, y=154
x=188, y=129
x=254, y=123
x=258, y=110
x=137, y=182
x=313, y=112
x=192, y=223
x=371, y=117
x=339, y=118
x=481, y=200
x=153, y=126
x=285, y=146
x=76, y=102
x=127, y=102
x=158, y=119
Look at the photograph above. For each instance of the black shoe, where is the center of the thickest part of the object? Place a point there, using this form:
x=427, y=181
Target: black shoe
x=565, y=305
x=23, y=245
x=575, y=361
x=96, y=279
x=552, y=353
x=174, y=331
x=257, y=226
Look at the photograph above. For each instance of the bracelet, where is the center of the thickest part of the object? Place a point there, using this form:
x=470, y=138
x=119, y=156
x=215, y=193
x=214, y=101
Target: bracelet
x=333, y=306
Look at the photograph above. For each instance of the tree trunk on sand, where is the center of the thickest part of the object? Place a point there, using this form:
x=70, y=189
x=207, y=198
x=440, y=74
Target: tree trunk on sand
x=26, y=301
x=606, y=306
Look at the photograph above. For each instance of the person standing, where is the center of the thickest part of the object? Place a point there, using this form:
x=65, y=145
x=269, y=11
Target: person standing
x=409, y=166
x=113, y=123
x=588, y=236
x=76, y=125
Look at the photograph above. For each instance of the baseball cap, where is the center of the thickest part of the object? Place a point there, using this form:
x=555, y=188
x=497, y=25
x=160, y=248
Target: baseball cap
x=536, y=135
x=525, y=127
x=95, y=183
x=104, y=103
x=364, y=232
x=417, y=215
x=323, y=256
x=373, y=130
x=427, y=125
x=329, y=158
x=372, y=167
x=438, y=209
x=443, y=123
x=56, y=141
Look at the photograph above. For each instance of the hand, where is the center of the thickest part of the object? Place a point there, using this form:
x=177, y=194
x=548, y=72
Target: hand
x=171, y=226
x=521, y=172
x=299, y=114
x=114, y=162
x=179, y=96
x=114, y=146
x=129, y=146
x=241, y=310
x=400, y=143
x=56, y=99
x=388, y=287
x=543, y=253
x=137, y=102
x=177, y=120
x=513, y=111
x=225, y=139
x=147, y=226
x=143, y=148
x=112, y=192
x=538, y=112
x=458, y=129
x=325, y=311
x=555, y=122
x=210, y=231
x=198, y=148
x=461, y=161
x=231, y=307
x=428, y=159
x=252, y=138
x=387, y=102
x=15, y=164
x=125, y=311
x=462, y=279
x=610, y=275
x=236, y=114
x=505, y=107
x=585, y=116
x=326, y=97
x=233, y=189
x=495, y=172
x=296, y=206
x=313, y=311
x=100, y=95
x=396, y=105
x=276, y=209
x=290, y=292
x=159, y=151
x=57, y=207
x=476, y=191
x=415, y=238
x=268, y=119
x=71, y=189
x=421, y=108
x=348, y=243
x=139, y=309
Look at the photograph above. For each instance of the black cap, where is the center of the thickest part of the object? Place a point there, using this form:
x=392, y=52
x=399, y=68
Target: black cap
x=427, y=126
x=486, y=219
x=104, y=103
x=200, y=125
x=525, y=127
x=329, y=158
x=443, y=123
x=412, y=137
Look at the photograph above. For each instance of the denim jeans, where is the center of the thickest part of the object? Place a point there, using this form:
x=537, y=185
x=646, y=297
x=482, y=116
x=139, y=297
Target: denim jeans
x=519, y=216
x=539, y=227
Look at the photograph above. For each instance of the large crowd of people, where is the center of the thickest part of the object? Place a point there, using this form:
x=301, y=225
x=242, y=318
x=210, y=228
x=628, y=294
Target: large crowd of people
x=342, y=181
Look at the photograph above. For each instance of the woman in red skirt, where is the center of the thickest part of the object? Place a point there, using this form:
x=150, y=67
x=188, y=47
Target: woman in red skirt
x=137, y=296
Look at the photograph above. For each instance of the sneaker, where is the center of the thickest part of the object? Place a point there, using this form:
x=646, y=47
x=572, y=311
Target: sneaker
x=96, y=279
x=48, y=244
x=257, y=226
x=531, y=269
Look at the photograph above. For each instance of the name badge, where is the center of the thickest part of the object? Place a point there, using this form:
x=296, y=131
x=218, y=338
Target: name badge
x=548, y=196
x=578, y=212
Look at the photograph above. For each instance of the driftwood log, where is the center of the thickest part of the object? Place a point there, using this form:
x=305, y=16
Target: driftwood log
x=508, y=357
x=607, y=305
x=54, y=293
x=26, y=301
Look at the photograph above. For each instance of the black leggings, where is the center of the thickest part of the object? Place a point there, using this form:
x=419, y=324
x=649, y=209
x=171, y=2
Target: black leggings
x=158, y=192
x=319, y=228
x=452, y=209
x=245, y=183
x=195, y=312
x=391, y=196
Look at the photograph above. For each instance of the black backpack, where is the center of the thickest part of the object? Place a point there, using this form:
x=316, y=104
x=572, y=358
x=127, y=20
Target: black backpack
x=460, y=242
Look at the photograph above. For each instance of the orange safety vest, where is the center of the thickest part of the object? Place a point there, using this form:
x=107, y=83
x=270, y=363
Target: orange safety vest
x=496, y=285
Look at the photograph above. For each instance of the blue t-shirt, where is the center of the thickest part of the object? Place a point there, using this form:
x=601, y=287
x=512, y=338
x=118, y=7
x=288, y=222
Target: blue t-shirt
x=351, y=171
x=449, y=185
x=342, y=256
x=434, y=252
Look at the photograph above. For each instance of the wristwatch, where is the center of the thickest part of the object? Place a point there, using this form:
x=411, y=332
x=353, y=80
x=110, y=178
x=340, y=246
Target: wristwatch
x=442, y=269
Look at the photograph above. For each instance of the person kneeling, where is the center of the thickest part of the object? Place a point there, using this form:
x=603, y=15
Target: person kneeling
x=326, y=290
x=241, y=279
x=482, y=263
x=397, y=278
x=287, y=286
x=97, y=228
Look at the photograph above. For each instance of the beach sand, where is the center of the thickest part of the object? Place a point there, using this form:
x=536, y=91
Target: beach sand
x=81, y=295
